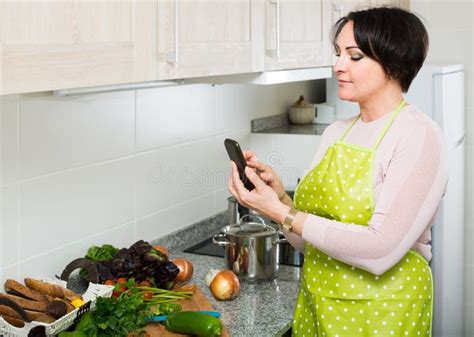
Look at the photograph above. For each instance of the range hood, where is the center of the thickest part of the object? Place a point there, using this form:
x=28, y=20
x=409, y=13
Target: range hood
x=260, y=78
x=267, y=77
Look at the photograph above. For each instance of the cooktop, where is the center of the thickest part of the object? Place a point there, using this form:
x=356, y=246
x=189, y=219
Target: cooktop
x=287, y=254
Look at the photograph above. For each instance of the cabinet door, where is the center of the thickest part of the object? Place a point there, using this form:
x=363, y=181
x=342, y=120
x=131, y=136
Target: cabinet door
x=396, y=3
x=47, y=45
x=209, y=37
x=341, y=8
x=297, y=34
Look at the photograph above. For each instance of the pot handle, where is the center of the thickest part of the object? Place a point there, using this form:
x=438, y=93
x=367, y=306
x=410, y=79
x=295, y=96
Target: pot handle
x=216, y=239
x=253, y=216
x=280, y=240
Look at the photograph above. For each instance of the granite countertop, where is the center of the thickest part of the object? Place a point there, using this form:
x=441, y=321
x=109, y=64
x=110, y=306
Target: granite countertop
x=262, y=309
x=280, y=124
x=292, y=129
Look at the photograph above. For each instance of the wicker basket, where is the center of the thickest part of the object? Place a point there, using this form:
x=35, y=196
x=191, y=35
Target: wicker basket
x=65, y=322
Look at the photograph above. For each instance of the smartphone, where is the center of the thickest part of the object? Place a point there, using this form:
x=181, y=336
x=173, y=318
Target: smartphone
x=235, y=154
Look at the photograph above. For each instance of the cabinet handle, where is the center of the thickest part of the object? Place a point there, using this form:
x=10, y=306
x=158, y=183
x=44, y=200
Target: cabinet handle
x=173, y=57
x=276, y=53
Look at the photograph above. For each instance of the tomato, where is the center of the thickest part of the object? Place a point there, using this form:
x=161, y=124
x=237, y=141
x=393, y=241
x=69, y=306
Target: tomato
x=115, y=294
x=121, y=280
x=162, y=249
x=119, y=288
x=109, y=283
x=145, y=283
x=148, y=295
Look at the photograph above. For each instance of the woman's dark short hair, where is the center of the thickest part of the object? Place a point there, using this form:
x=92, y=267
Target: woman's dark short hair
x=395, y=38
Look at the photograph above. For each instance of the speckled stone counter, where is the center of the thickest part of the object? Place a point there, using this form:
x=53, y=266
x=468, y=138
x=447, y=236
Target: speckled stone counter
x=262, y=309
x=280, y=124
x=308, y=129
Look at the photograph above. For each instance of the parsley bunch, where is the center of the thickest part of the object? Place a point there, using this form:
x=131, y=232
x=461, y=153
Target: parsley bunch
x=115, y=317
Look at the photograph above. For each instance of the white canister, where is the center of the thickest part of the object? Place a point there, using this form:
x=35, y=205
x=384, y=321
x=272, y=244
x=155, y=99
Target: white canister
x=324, y=114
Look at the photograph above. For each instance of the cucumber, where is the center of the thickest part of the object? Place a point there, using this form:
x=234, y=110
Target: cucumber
x=194, y=323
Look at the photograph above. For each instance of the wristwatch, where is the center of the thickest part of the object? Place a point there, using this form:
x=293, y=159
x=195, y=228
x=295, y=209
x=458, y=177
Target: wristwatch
x=287, y=224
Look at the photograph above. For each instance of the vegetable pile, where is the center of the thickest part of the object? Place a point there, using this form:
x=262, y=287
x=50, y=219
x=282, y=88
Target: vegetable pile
x=127, y=311
x=140, y=261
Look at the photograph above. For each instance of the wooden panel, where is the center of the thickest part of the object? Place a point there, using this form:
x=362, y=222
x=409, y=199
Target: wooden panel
x=145, y=30
x=105, y=21
x=48, y=45
x=304, y=28
x=396, y=3
x=197, y=302
x=300, y=21
x=38, y=21
x=226, y=37
x=1, y=68
x=32, y=68
x=214, y=21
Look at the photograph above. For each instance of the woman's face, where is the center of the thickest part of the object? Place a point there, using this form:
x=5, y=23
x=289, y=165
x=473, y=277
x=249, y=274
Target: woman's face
x=359, y=76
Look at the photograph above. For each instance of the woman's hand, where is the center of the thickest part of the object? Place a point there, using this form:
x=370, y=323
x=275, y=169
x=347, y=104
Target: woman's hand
x=265, y=173
x=262, y=198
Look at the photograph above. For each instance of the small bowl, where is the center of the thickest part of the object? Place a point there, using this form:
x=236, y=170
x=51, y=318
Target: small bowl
x=302, y=115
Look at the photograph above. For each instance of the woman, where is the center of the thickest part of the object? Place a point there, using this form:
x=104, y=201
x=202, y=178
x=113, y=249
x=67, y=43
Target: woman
x=363, y=213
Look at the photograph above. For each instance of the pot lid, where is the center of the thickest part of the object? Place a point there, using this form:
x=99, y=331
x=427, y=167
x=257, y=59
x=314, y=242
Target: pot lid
x=249, y=229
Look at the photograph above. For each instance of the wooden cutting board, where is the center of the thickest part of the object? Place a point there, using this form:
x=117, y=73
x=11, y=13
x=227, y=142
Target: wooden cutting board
x=197, y=302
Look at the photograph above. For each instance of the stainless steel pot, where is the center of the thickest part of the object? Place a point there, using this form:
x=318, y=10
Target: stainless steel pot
x=251, y=249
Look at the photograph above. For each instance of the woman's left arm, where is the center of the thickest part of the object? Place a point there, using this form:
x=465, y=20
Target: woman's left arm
x=412, y=190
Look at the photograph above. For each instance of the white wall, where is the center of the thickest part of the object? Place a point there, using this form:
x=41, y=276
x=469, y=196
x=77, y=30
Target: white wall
x=450, y=27
x=118, y=167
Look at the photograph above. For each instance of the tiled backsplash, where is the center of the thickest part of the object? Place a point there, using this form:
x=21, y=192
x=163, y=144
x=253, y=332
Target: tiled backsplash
x=118, y=167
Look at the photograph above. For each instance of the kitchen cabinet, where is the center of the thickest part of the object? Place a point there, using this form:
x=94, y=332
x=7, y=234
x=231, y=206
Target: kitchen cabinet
x=50, y=45
x=47, y=45
x=297, y=34
x=206, y=38
x=341, y=8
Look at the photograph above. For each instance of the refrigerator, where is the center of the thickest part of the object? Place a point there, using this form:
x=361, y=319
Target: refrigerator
x=438, y=91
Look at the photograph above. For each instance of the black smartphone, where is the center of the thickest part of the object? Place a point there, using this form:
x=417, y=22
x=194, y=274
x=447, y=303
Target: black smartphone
x=235, y=154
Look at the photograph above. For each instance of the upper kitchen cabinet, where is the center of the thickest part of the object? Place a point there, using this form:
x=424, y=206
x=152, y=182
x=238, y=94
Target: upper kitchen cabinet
x=297, y=34
x=343, y=7
x=46, y=45
x=396, y=3
x=211, y=37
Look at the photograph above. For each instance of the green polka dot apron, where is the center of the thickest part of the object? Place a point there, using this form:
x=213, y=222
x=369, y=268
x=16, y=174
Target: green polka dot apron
x=339, y=300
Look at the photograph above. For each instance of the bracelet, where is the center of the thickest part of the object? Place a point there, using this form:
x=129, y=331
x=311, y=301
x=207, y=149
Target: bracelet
x=287, y=224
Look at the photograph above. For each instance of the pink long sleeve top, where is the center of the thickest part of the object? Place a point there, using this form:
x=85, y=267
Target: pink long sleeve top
x=410, y=177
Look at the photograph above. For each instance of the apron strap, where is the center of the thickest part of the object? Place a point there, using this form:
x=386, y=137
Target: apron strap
x=349, y=128
x=394, y=115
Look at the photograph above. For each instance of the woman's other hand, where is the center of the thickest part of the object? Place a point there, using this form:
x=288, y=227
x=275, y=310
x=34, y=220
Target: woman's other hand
x=265, y=173
x=263, y=198
x=250, y=156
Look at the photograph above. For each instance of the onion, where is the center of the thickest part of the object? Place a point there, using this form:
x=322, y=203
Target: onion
x=225, y=285
x=185, y=269
x=210, y=276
